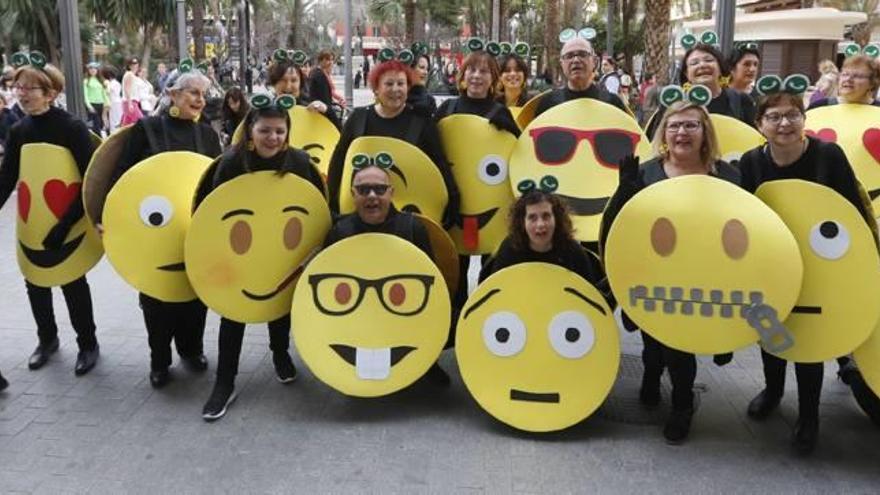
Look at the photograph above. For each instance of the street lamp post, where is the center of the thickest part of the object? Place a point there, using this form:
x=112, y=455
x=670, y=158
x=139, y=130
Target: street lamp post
x=70, y=42
x=349, y=93
x=182, y=48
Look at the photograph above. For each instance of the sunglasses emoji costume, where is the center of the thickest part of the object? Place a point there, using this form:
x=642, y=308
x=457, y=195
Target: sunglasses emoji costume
x=248, y=241
x=537, y=347
x=146, y=217
x=418, y=184
x=478, y=155
x=838, y=250
x=371, y=314
x=582, y=154
x=703, y=266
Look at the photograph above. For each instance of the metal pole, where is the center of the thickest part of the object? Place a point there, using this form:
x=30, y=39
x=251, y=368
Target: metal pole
x=71, y=52
x=609, y=29
x=725, y=16
x=182, y=48
x=496, y=20
x=243, y=46
x=346, y=55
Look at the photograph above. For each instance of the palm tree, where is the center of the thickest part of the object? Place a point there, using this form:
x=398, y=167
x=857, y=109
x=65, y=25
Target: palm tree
x=551, y=36
x=657, y=39
x=861, y=33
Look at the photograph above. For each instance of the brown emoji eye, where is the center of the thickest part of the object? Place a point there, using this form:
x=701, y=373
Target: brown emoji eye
x=240, y=237
x=663, y=236
x=735, y=239
x=293, y=233
x=342, y=293
x=397, y=294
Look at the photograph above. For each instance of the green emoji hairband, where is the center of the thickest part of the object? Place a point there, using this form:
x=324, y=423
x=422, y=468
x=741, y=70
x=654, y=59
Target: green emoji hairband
x=34, y=59
x=745, y=45
x=497, y=49
x=689, y=41
x=296, y=57
x=187, y=65
x=795, y=84
x=548, y=184
x=284, y=102
x=569, y=34
x=405, y=56
x=698, y=94
x=853, y=49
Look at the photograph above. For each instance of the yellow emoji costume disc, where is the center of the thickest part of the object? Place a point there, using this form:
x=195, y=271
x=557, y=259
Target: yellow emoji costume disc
x=527, y=113
x=370, y=328
x=48, y=184
x=100, y=171
x=856, y=129
x=838, y=252
x=443, y=250
x=146, y=217
x=537, y=347
x=686, y=256
x=734, y=137
x=580, y=154
x=418, y=185
x=867, y=357
x=311, y=132
x=248, y=240
x=478, y=154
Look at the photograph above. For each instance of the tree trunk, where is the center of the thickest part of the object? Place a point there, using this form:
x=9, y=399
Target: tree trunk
x=198, y=28
x=51, y=35
x=295, y=38
x=409, y=14
x=629, y=12
x=861, y=33
x=149, y=33
x=707, y=9
x=657, y=39
x=551, y=36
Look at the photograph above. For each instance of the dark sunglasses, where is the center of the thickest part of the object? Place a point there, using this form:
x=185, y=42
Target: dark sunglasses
x=378, y=189
x=556, y=145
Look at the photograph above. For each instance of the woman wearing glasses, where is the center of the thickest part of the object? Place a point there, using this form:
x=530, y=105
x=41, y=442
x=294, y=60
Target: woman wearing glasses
x=685, y=143
x=790, y=154
x=264, y=147
x=858, y=82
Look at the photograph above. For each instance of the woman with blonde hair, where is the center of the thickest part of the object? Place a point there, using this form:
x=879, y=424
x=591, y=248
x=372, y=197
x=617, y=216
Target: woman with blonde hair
x=858, y=81
x=826, y=85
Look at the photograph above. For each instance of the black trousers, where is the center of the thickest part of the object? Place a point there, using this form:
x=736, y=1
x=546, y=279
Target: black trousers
x=96, y=118
x=79, y=307
x=184, y=323
x=231, y=337
x=809, y=382
x=682, y=368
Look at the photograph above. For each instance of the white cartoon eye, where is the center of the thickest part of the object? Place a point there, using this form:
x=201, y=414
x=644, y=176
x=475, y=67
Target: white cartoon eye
x=492, y=170
x=504, y=334
x=829, y=240
x=571, y=334
x=156, y=211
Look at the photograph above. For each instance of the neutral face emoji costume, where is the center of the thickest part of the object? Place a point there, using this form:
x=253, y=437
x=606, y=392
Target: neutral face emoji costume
x=371, y=315
x=867, y=356
x=418, y=185
x=838, y=307
x=537, y=347
x=146, y=217
x=248, y=240
x=478, y=154
x=690, y=258
x=581, y=154
x=48, y=184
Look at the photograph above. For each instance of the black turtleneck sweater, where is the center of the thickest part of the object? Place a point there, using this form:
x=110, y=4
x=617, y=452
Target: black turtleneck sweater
x=498, y=114
x=54, y=127
x=421, y=101
x=401, y=224
x=562, y=95
x=237, y=162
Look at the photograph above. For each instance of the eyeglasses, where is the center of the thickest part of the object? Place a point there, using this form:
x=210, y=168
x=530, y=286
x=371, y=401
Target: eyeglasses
x=556, y=145
x=689, y=126
x=377, y=189
x=338, y=294
x=693, y=62
x=776, y=118
x=854, y=75
x=25, y=89
x=581, y=54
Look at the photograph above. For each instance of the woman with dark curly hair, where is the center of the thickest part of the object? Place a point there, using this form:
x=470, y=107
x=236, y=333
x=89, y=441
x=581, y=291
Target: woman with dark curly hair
x=540, y=230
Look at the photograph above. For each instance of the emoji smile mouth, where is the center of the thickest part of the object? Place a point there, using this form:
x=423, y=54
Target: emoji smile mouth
x=173, y=267
x=585, y=206
x=372, y=364
x=48, y=258
x=283, y=285
x=521, y=395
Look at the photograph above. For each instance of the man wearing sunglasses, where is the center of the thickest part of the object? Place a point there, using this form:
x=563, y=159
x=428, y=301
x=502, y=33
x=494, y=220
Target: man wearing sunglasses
x=579, y=66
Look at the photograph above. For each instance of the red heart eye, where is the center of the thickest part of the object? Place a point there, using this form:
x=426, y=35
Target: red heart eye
x=871, y=141
x=59, y=196
x=828, y=135
x=24, y=200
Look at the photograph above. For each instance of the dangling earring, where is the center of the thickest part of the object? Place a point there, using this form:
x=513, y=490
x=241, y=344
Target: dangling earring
x=250, y=145
x=462, y=85
x=174, y=111
x=664, y=148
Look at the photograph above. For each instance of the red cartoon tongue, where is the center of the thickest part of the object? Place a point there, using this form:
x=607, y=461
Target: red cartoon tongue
x=871, y=140
x=828, y=135
x=59, y=196
x=24, y=200
x=470, y=235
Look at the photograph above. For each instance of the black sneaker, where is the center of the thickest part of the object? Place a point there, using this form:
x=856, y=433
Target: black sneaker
x=865, y=397
x=678, y=426
x=437, y=376
x=806, y=434
x=284, y=368
x=195, y=363
x=86, y=360
x=763, y=404
x=159, y=378
x=41, y=354
x=221, y=397
x=649, y=393
x=3, y=383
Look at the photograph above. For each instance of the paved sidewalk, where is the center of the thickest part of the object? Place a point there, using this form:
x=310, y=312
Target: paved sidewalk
x=110, y=432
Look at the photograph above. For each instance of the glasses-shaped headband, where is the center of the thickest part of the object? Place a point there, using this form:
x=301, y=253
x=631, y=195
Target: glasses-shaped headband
x=284, y=102
x=548, y=184
x=187, y=65
x=795, y=84
x=569, y=34
x=382, y=160
x=405, y=56
x=556, y=145
x=689, y=41
x=338, y=294
x=34, y=59
x=853, y=49
x=296, y=57
x=697, y=93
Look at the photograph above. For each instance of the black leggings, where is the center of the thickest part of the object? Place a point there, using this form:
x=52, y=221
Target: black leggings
x=183, y=322
x=96, y=118
x=809, y=382
x=79, y=307
x=682, y=368
x=231, y=337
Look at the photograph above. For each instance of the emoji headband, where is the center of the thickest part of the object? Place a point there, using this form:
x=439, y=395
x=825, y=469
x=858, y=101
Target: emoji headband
x=689, y=41
x=34, y=59
x=405, y=56
x=382, y=160
x=283, y=102
x=296, y=57
x=852, y=49
x=548, y=185
x=187, y=65
x=569, y=34
x=794, y=84
x=699, y=94
x=745, y=45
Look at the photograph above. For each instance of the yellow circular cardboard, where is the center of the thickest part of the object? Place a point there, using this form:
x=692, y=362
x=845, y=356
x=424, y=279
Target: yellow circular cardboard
x=734, y=137
x=443, y=251
x=527, y=112
x=100, y=171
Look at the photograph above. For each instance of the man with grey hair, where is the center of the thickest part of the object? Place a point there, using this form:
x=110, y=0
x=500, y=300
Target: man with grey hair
x=579, y=66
